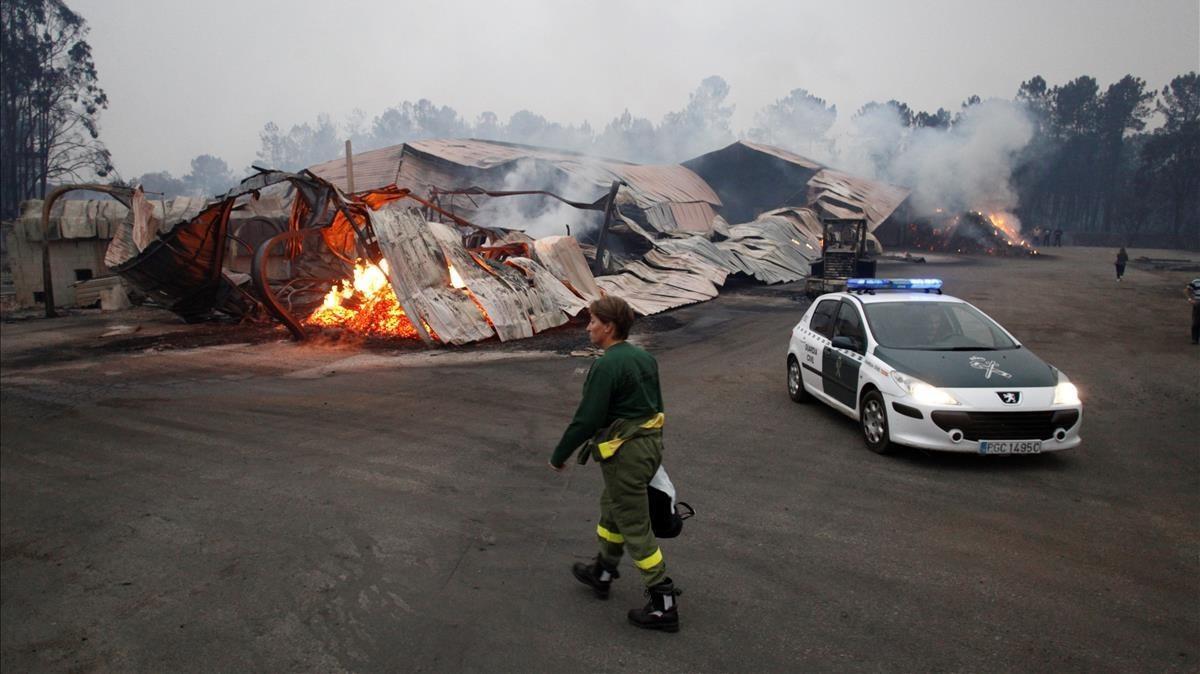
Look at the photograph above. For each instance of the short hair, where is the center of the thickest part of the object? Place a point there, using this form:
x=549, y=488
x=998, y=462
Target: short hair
x=614, y=310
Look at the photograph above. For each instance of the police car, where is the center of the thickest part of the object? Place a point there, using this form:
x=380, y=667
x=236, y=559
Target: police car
x=919, y=368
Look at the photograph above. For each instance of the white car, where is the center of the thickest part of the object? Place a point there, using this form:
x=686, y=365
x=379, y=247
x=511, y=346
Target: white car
x=927, y=370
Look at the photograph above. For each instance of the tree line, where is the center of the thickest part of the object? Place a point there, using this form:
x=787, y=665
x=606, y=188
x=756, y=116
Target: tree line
x=1094, y=167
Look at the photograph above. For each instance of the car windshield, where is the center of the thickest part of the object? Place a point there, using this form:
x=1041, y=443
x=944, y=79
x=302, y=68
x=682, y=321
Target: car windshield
x=935, y=326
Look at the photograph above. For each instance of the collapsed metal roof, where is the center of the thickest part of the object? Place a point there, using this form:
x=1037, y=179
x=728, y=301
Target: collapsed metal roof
x=425, y=164
x=752, y=178
x=842, y=195
x=668, y=243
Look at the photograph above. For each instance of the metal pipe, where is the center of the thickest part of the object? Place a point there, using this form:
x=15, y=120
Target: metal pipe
x=258, y=276
x=609, y=206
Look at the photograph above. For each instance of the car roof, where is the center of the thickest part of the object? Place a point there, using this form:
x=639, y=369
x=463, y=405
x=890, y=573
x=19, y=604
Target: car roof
x=884, y=296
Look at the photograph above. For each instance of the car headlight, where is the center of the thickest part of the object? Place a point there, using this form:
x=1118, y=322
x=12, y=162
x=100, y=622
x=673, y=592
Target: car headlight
x=926, y=394
x=1065, y=392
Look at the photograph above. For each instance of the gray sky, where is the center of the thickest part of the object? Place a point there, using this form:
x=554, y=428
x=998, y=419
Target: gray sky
x=187, y=78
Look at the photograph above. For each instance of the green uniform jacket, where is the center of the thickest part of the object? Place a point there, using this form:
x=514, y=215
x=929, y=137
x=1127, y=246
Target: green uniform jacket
x=622, y=384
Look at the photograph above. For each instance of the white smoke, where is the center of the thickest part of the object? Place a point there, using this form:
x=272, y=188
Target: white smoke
x=876, y=136
x=539, y=215
x=971, y=165
x=968, y=166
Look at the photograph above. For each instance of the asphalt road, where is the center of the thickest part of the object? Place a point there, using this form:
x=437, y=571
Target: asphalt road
x=276, y=507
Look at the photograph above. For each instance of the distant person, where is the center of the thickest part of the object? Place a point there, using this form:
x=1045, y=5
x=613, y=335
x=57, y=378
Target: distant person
x=1122, y=258
x=619, y=424
x=1193, y=294
x=1058, y=238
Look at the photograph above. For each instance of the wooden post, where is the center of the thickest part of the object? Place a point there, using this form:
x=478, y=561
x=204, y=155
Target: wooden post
x=349, y=169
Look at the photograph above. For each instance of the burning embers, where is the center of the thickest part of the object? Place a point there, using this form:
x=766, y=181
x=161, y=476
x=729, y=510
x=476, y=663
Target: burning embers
x=972, y=232
x=367, y=305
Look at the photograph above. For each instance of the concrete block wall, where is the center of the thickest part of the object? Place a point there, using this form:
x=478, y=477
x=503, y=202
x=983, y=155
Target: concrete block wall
x=66, y=255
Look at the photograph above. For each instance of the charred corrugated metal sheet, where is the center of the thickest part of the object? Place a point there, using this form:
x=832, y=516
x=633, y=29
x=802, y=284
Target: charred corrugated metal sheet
x=686, y=217
x=777, y=247
x=373, y=169
x=667, y=183
x=490, y=159
x=564, y=259
x=649, y=184
x=842, y=195
x=652, y=291
x=423, y=165
x=511, y=300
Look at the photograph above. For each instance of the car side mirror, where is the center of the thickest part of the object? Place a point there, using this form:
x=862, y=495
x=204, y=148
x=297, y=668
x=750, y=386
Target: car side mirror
x=848, y=343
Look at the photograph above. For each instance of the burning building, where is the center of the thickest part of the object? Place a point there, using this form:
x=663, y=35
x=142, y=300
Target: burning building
x=454, y=241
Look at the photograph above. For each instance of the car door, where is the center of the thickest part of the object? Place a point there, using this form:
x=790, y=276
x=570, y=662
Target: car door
x=820, y=330
x=840, y=366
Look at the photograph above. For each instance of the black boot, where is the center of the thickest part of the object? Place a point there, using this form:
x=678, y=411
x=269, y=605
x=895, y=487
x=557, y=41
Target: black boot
x=597, y=575
x=662, y=612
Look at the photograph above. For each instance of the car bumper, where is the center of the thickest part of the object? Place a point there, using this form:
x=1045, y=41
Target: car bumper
x=959, y=429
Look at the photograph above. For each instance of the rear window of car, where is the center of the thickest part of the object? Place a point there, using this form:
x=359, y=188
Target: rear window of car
x=935, y=326
x=849, y=323
x=822, y=318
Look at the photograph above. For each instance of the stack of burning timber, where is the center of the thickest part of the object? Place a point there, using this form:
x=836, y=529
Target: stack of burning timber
x=972, y=233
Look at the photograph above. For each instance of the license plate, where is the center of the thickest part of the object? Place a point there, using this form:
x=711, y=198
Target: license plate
x=1010, y=446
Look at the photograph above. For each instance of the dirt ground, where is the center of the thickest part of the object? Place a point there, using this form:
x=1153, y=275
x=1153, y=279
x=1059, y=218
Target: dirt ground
x=216, y=497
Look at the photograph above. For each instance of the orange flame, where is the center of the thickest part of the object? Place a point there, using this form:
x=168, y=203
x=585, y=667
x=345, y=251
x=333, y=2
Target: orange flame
x=1003, y=222
x=367, y=304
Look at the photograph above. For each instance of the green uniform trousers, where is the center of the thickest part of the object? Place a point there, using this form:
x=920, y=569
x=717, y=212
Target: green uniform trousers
x=625, y=508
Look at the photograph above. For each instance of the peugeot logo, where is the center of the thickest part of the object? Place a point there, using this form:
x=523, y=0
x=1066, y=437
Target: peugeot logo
x=1009, y=397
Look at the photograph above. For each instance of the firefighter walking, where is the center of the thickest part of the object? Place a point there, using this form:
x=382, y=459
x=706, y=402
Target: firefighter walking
x=619, y=423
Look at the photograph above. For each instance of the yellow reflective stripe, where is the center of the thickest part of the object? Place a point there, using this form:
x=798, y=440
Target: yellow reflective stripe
x=608, y=535
x=656, y=421
x=607, y=449
x=651, y=561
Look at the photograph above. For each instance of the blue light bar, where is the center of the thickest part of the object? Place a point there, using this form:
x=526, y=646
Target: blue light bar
x=894, y=284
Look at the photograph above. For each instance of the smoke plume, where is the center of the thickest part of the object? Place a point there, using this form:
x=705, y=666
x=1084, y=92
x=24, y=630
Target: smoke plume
x=540, y=215
x=968, y=166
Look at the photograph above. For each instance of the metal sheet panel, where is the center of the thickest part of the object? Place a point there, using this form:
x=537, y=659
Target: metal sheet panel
x=373, y=169
x=421, y=164
x=840, y=192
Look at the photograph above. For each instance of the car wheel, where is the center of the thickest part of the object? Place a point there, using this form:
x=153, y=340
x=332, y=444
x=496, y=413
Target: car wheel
x=874, y=423
x=795, y=383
